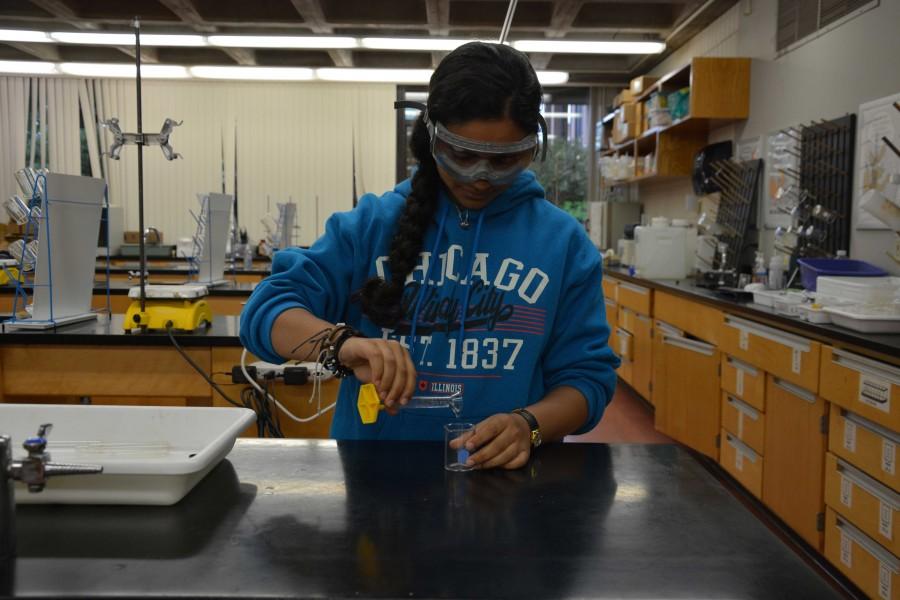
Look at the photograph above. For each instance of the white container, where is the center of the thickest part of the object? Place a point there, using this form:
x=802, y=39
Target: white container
x=813, y=314
x=662, y=252
x=150, y=455
x=875, y=291
x=852, y=317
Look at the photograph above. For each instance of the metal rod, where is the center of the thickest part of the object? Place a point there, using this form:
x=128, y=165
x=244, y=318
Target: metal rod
x=890, y=145
x=507, y=22
x=140, y=145
x=237, y=233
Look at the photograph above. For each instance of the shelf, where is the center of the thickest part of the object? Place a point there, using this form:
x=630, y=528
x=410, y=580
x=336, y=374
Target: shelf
x=664, y=80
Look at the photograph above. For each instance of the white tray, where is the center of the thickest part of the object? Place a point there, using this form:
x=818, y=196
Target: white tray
x=170, y=292
x=863, y=322
x=150, y=455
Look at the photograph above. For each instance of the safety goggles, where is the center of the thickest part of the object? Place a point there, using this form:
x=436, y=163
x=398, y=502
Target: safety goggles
x=468, y=160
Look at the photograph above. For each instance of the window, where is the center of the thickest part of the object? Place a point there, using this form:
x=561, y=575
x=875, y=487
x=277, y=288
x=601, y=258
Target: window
x=799, y=20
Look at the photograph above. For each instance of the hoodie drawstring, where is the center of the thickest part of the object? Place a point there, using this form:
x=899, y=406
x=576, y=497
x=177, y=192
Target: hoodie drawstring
x=465, y=307
x=424, y=288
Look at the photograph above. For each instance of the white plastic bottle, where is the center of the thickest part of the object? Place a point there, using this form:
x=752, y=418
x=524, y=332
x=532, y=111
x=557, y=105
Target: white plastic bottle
x=776, y=272
x=759, y=268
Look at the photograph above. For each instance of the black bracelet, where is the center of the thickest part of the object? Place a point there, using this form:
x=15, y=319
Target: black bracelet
x=335, y=342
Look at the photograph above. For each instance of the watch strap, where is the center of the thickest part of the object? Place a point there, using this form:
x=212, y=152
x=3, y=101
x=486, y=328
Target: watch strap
x=532, y=425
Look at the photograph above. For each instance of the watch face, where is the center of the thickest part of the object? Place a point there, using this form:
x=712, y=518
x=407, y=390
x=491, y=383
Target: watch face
x=536, y=438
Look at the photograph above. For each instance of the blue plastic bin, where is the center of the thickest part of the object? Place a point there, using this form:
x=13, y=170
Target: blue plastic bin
x=812, y=268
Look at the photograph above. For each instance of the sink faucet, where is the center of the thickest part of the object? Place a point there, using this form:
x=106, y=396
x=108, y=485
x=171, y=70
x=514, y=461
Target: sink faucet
x=33, y=471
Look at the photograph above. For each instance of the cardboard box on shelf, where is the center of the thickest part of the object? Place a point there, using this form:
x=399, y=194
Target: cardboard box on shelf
x=624, y=97
x=640, y=84
x=625, y=123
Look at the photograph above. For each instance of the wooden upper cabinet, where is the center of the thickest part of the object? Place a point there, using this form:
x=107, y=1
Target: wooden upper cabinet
x=720, y=88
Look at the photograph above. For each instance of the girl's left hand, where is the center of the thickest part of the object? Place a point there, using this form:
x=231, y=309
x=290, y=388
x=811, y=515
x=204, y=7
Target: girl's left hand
x=502, y=440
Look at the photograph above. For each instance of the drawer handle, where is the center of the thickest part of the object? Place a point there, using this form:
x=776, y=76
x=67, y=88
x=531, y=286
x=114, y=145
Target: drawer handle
x=886, y=558
x=691, y=345
x=865, y=365
x=795, y=390
x=860, y=479
x=873, y=427
x=741, y=447
x=779, y=337
x=666, y=329
x=609, y=302
x=739, y=364
x=634, y=288
x=744, y=408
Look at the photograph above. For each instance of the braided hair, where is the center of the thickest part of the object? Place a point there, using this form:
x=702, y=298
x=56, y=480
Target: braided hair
x=476, y=81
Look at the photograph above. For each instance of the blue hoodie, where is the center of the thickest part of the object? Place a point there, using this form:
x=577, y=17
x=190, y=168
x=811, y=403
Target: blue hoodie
x=531, y=302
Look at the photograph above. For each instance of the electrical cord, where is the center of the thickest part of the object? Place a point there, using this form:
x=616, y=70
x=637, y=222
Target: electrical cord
x=197, y=368
x=316, y=393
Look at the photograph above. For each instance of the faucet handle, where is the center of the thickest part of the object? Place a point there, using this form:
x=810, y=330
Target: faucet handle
x=36, y=445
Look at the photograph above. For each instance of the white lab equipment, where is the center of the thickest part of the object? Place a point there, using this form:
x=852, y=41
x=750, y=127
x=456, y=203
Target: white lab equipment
x=663, y=251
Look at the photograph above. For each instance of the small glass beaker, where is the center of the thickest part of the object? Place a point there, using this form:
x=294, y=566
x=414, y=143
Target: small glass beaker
x=455, y=452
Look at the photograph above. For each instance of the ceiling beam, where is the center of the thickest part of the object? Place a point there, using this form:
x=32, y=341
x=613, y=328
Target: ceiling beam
x=436, y=58
x=60, y=10
x=341, y=57
x=313, y=15
x=187, y=12
x=242, y=56
x=148, y=55
x=564, y=13
x=47, y=52
x=540, y=60
x=438, y=14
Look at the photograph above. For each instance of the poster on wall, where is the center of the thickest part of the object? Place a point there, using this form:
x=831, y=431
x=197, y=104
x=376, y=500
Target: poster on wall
x=875, y=161
x=782, y=170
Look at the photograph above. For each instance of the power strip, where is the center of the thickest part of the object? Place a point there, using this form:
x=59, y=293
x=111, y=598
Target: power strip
x=266, y=369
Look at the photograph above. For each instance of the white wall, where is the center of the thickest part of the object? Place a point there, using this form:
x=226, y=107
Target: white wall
x=294, y=141
x=825, y=78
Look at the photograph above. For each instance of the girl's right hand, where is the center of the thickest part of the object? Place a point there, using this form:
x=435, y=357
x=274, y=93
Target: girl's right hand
x=384, y=363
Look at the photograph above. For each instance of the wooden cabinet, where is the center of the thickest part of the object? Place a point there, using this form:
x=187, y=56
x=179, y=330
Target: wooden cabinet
x=701, y=321
x=875, y=570
x=869, y=505
x=686, y=390
x=795, y=457
x=863, y=386
x=865, y=444
x=643, y=356
x=612, y=315
x=635, y=297
x=743, y=380
x=744, y=421
x=610, y=286
x=790, y=357
x=742, y=462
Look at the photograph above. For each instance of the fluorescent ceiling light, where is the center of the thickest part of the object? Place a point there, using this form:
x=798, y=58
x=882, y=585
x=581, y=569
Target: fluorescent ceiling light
x=123, y=70
x=27, y=67
x=416, y=96
x=127, y=39
x=253, y=73
x=576, y=47
x=282, y=41
x=552, y=77
x=375, y=75
x=23, y=35
x=422, y=44
x=561, y=115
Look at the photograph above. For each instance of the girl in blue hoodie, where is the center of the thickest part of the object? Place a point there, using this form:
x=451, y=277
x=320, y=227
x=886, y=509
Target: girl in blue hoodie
x=464, y=279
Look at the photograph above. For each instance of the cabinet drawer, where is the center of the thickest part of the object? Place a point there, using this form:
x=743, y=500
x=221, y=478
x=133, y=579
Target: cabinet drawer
x=742, y=462
x=785, y=355
x=743, y=421
x=635, y=297
x=864, y=562
x=697, y=319
x=624, y=348
x=863, y=386
x=865, y=444
x=744, y=381
x=626, y=319
x=612, y=314
x=610, y=286
x=869, y=505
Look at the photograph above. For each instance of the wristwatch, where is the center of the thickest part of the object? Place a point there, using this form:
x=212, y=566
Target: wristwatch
x=532, y=424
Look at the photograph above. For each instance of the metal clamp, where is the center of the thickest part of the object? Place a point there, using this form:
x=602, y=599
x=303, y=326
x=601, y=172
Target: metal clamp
x=33, y=471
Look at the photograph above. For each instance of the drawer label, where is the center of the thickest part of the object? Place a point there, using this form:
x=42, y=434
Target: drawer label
x=884, y=581
x=739, y=381
x=885, y=520
x=796, y=359
x=888, y=450
x=744, y=339
x=849, y=436
x=875, y=392
x=846, y=492
x=846, y=550
x=739, y=460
